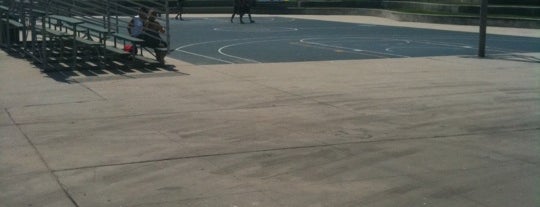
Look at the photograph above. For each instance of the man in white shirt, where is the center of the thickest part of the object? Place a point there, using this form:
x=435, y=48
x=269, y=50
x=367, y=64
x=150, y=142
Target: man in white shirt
x=136, y=25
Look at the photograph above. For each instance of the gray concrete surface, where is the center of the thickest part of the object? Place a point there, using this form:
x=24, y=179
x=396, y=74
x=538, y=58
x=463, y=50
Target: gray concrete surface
x=438, y=131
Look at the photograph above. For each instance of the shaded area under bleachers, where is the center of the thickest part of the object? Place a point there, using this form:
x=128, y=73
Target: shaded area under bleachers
x=59, y=35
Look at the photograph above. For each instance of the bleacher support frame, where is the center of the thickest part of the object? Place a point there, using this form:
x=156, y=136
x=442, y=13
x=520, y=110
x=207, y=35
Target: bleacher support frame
x=99, y=18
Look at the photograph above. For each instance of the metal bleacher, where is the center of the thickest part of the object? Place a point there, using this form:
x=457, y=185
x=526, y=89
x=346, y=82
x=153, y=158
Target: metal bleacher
x=75, y=33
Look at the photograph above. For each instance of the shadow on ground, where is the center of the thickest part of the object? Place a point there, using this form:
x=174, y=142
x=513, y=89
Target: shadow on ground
x=515, y=57
x=62, y=69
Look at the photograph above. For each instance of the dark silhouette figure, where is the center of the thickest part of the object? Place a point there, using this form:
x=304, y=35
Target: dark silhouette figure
x=179, y=9
x=152, y=38
x=242, y=7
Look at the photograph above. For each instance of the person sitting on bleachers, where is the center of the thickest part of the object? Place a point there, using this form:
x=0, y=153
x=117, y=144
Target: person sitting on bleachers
x=136, y=26
x=152, y=39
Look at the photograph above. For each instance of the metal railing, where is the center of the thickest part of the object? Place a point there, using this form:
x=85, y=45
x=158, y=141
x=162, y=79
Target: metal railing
x=114, y=15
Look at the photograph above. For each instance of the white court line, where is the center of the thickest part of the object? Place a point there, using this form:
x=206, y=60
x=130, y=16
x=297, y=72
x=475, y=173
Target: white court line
x=180, y=49
x=273, y=19
x=220, y=50
x=204, y=56
x=353, y=49
x=228, y=40
x=333, y=28
x=503, y=50
x=269, y=29
x=202, y=43
x=447, y=44
x=436, y=43
x=391, y=49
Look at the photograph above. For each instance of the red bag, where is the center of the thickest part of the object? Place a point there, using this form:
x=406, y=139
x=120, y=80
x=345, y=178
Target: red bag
x=128, y=48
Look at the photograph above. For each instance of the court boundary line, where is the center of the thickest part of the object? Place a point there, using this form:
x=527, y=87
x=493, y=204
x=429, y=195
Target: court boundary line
x=305, y=40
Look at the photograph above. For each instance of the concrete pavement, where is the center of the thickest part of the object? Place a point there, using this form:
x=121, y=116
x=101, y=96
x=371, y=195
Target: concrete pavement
x=438, y=131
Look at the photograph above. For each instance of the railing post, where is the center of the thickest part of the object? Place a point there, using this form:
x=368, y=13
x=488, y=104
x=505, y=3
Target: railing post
x=107, y=19
x=44, y=35
x=167, y=24
x=483, y=25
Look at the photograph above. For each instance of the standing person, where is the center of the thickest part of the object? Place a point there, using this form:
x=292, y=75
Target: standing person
x=242, y=7
x=152, y=38
x=247, y=9
x=136, y=26
x=179, y=9
x=236, y=9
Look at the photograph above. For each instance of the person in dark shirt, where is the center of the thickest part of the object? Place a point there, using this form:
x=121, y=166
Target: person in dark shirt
x=179, y=9
x=242, y=7
x=152, y=38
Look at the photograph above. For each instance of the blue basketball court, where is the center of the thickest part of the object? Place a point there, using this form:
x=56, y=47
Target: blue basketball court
x=215, y=40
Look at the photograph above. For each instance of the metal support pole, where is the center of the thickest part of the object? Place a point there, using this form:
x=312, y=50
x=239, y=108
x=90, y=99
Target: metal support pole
x=44, y=35
x=33, y=20
x=25, y=19
x=116, y=18
x=483, y=25
x=73, y=6
x=107, y=18
x=167, y=25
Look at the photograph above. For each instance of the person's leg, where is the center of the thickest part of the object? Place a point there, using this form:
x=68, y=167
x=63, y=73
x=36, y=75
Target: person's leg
x=250, y=20
x=179, y=6
x=179, y=14
x=232, y=17
x=133, y=49
x=241, y=18
x=160, y=56
x=161, y=52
